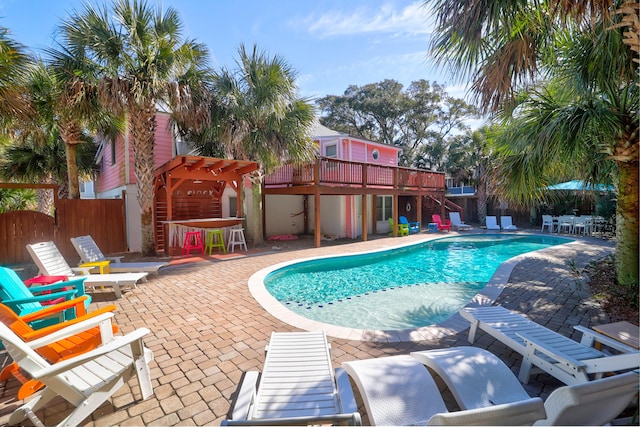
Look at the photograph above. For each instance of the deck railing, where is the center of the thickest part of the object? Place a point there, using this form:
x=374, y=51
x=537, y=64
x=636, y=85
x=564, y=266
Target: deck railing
x=342, y=173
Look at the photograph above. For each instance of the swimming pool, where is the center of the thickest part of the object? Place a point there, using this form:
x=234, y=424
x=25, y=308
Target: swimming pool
x=401, y=288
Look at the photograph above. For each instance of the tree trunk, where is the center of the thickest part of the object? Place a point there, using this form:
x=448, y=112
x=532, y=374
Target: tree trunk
x=143, y=125
x=70, y=134
x=45, y=198
x=256, y=220
x=627, y=224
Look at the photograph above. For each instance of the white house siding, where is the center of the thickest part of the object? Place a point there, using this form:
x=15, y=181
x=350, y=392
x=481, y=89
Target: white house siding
x=284, y=214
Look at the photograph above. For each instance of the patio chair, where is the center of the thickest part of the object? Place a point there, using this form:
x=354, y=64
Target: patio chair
x=442, y=225
x=398, y=390
x=492, y=223
x=90, y=252
x=456, y=221
x=297, y=386
x=414, y=227
x=86, y=380
x=547, y=221
x=563, y=358
x=23, y=300
x=403, y=229
x=51, y=262
x=96, y=329
x=507, y=223
x=565, y=224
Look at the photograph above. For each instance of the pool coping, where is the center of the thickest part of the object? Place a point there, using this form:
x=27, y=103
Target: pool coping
x=452, y=325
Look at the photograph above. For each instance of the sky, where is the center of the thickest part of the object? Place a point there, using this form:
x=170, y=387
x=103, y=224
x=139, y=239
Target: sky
x=330, y=43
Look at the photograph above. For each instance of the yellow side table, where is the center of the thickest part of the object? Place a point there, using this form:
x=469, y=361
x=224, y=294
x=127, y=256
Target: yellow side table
x=103, y=266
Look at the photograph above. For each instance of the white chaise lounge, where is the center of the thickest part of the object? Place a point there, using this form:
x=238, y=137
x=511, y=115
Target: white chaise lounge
x=50, y=262
x=457, y=223
x=297, y=386
x=507, y=223
x=90, y=252
x=398, y=390
x=565, y=359
x=492, y=223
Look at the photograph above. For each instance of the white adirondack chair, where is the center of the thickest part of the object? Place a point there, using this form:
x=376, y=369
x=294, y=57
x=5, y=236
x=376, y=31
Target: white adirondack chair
x=50, y=262
x=85, y=381
x=90, y=252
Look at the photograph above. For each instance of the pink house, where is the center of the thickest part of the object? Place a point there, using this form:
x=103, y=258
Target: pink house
x=352, y=190
x=116, y=177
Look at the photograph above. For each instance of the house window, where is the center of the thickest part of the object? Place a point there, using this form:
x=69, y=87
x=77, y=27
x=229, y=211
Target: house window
x=331, y=150
x=233, y=206
x=383, y=208
x=113, y=153
x=375, y=154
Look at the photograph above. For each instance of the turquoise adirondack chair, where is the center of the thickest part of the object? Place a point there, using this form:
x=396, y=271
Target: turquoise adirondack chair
x=21, y=299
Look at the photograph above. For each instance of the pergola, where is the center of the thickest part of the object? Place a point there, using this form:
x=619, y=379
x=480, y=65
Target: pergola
x=191, y=188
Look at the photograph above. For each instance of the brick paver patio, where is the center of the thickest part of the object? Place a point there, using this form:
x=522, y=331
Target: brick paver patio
x=206, y=329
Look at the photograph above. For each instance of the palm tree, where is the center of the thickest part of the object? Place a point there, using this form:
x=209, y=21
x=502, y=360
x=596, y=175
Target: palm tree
x=74, y=98
x=140, y=61
x=260, y=117
x=43, y=162
x=14, y=60
x=13, y=199
x=564, y=71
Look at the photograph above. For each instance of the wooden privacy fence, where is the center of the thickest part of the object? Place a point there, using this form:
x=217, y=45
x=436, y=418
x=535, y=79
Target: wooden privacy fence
x=103, y=219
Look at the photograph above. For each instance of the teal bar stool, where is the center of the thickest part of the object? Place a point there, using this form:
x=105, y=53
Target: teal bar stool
x=214, y=239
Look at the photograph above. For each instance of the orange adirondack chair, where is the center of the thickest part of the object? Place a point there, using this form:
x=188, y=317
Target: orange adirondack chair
x=56, y=351
x=442, y=225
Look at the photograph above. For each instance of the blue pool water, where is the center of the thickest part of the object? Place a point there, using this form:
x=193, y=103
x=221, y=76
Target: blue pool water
x=401, y=288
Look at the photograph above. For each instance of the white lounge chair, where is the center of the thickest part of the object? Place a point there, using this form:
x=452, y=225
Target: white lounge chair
x=492, y=223
x=476, y=377
x=569, y=361
x=86, y=380
x=597, y=402
x=90, y=252
x=457, y=222
x=297, y=386
x=398, y=390
x=393, y=387
x=50, y=262
x=507, y=223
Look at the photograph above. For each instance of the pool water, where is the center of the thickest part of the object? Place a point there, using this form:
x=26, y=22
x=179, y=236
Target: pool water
x=407, y=287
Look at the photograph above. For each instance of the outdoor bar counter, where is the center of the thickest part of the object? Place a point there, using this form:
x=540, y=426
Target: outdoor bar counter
x=178, y=228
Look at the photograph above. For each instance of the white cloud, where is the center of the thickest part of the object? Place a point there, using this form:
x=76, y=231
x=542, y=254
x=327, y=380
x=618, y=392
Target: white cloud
x=412, y=19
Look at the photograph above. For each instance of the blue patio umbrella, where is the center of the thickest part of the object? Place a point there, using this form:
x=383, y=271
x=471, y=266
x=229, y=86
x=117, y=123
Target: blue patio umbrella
x=578, y=185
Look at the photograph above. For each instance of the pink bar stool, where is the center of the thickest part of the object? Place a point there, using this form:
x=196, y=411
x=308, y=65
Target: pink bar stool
x=192, y=240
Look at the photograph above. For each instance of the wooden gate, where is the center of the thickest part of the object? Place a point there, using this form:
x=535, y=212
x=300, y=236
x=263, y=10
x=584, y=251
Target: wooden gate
x=103, y=219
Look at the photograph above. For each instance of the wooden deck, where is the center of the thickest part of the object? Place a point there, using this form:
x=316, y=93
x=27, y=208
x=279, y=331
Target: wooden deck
x=328, y=176
x=333, y=176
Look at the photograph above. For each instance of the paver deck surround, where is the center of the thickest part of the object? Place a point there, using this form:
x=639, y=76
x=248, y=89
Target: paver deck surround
x=207, y=329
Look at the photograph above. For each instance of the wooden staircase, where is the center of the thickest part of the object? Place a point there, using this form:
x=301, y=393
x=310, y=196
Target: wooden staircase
x=431, y=205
